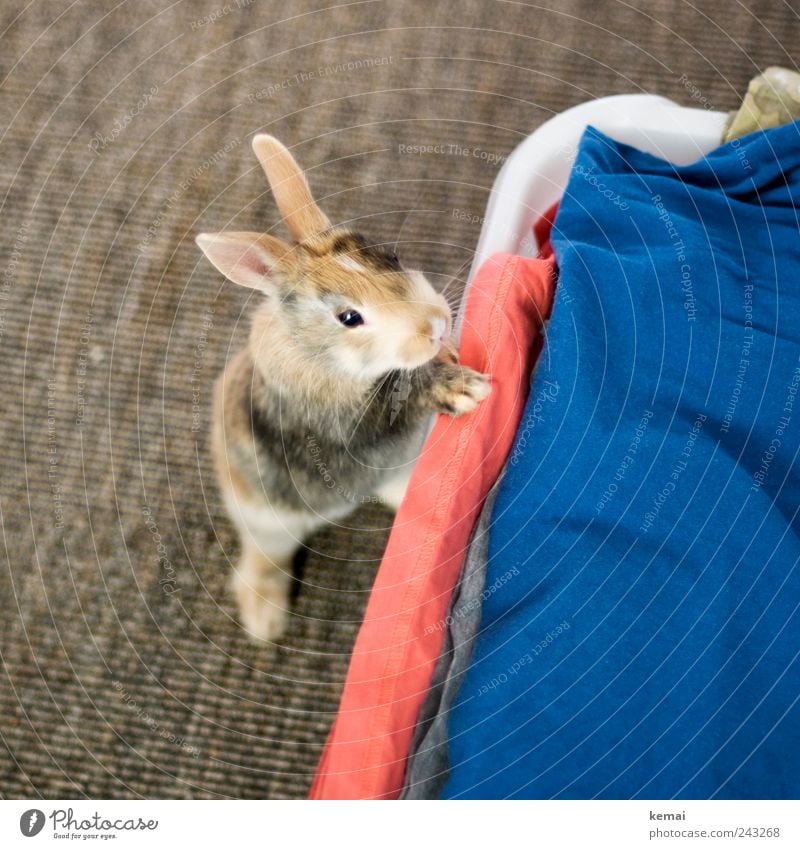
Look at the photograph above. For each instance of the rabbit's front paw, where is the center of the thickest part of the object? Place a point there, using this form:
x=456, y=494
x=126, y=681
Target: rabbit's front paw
x=458, y=389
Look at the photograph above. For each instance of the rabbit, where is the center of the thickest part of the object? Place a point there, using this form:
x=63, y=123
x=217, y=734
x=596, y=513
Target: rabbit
x=327, y=405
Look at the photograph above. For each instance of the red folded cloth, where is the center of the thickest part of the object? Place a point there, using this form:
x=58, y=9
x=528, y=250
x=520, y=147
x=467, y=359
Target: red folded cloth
x=401, y=638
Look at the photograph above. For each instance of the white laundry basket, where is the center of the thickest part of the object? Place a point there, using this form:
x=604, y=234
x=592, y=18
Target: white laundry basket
x=534, y=176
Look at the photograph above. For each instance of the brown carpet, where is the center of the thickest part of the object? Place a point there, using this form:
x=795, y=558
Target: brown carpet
x=125, y=130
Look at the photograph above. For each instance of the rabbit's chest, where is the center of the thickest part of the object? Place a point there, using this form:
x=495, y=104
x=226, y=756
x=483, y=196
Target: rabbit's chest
x=327, y=469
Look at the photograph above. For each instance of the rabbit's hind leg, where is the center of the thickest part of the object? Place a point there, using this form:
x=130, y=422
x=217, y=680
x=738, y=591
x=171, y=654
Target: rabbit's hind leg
x=263, y=575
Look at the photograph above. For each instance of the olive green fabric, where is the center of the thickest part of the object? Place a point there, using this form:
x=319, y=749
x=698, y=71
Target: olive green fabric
x=772, y=99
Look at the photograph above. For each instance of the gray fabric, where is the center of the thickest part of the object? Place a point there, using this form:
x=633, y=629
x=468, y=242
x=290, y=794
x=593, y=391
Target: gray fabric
x=427, y=768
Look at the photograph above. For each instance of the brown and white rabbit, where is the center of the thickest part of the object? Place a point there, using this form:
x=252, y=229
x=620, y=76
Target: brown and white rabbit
x=325, y=408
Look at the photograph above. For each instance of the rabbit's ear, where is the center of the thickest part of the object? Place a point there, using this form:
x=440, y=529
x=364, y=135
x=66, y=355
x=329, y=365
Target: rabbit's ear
x=288, y=183
x=248, y=259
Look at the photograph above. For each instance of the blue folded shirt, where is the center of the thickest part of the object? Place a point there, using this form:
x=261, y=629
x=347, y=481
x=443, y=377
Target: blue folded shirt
x=649, y=647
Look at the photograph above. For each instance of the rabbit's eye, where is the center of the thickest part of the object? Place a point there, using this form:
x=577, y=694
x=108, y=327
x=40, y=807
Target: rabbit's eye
x=350, y=318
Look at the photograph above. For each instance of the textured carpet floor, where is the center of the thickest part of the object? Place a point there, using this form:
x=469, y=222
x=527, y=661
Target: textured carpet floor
x=125, y=130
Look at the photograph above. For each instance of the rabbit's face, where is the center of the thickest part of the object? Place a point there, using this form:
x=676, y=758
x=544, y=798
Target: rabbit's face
x=341, y=300
x=355, y=305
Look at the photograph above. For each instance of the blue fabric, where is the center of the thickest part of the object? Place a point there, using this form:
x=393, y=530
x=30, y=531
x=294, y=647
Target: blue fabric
x=648, y=647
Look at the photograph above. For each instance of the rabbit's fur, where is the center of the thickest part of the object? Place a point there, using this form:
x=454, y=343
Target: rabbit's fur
x=314, y=417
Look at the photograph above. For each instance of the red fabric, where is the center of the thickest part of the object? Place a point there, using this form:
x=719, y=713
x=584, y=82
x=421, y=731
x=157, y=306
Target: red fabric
x=401, y=638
